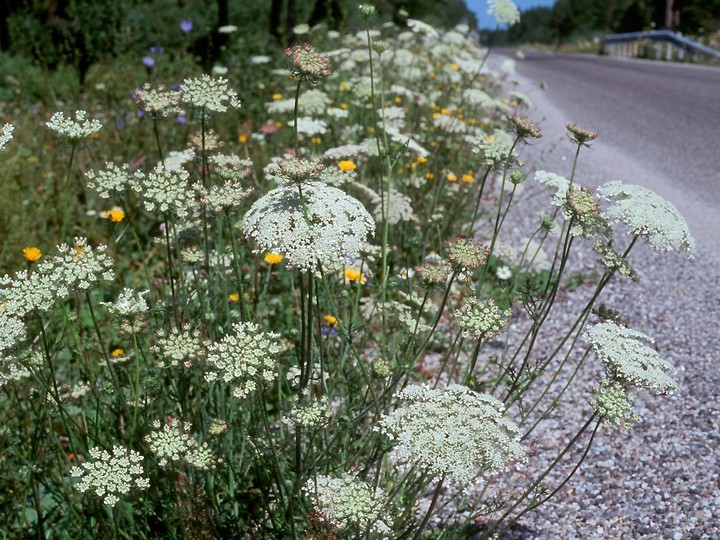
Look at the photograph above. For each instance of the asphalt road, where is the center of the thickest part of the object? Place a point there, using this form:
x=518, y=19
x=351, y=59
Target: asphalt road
x=659, y=122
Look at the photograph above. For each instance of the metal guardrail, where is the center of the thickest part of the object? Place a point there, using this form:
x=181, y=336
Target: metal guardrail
x=657, y=44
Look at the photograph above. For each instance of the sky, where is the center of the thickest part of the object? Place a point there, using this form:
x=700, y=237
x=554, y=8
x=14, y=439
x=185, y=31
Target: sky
x=480, y=8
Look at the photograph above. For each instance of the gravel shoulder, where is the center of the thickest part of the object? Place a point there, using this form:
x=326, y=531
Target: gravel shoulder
x=660, y=478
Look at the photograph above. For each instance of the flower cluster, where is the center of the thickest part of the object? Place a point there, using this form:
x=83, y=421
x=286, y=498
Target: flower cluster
x=73, y=130
x=157, y=101
x=524, y=128
x=628, y=359
x=647, y=215
x=323, y=227
x=5, y=134
x=12, y=330
x=464, y=254
x=130, y=307
x=244, y=358
x=167, y=190
x=504, y=11
x=74, y=267
x=492, y=152
x=454, y=432
x=295, y=171
x=309, y=415
x=559, y=184
x=349, y=503
x=111, y=476
x=480, y=320
x=208, y=94
x=583, y=210
x=113, y=179
x=173, y=444
x=580, y=135
x=307, y=63
x=613, y=402
x=179, y=347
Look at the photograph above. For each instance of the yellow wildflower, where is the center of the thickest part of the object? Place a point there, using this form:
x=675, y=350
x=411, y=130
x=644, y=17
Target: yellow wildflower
x=344, y=106
x=446, y=112
x=454, y=67
x=234, y=297
x=277, y=97
x=398, y=100
x=31, y=254
x=117, y=353
x=242, y=138
x=347, y=165
x=451, y=177
x=116, y=215
x=468, y=178
x=355, y=275
x=421, y=160
x=273, y=258
x=330, y=320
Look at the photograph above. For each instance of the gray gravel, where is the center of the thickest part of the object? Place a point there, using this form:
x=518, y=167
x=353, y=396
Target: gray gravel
x=660, y=478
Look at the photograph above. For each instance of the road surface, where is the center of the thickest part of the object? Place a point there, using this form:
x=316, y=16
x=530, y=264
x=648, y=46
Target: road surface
x=659, y=124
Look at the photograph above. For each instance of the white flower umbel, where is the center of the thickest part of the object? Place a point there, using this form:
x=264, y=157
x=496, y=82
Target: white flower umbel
x=166, y=190
x=111, y=476
x=12, y=330
x=614, y=403
x=129, y=304
x=480, y=320
x=113, y=179
x=78, y=266
x=348, y=503
x=180, y=346
x=173, y=444
x=454, y=432
x=208, y=94
x=73, y=131
x=555, y=182
x=648, y=215
x=157, y=101
x=244, y=358
x=324, y=227
x=628, y=359
x=504, y=11
x=5, y=135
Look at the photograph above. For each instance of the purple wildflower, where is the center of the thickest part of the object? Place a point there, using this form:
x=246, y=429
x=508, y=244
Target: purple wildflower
x=186, y=26
x=149, y=61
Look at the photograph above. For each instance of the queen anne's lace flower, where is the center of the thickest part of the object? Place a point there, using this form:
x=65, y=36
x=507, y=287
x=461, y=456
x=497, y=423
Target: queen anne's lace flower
x=209, y=94
x=78, y=266
x=648, y=215
x=113, y=179
x=454, y=432
x=157, y=101
x=349, y=503
x=129, y=304
x=75, y=130
x=75, y=267
x=313, y=102
x=111, y=476
x=324, y=227
x=244, y=358
x=480, y=320
x=12, y=330
x=307, y=63
x=180, y=346
x=5, y=135
x=559, y=184
x=173, y=444
x=613, y=402
x=504, y=11
x=628, y=359
x=167, y=190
